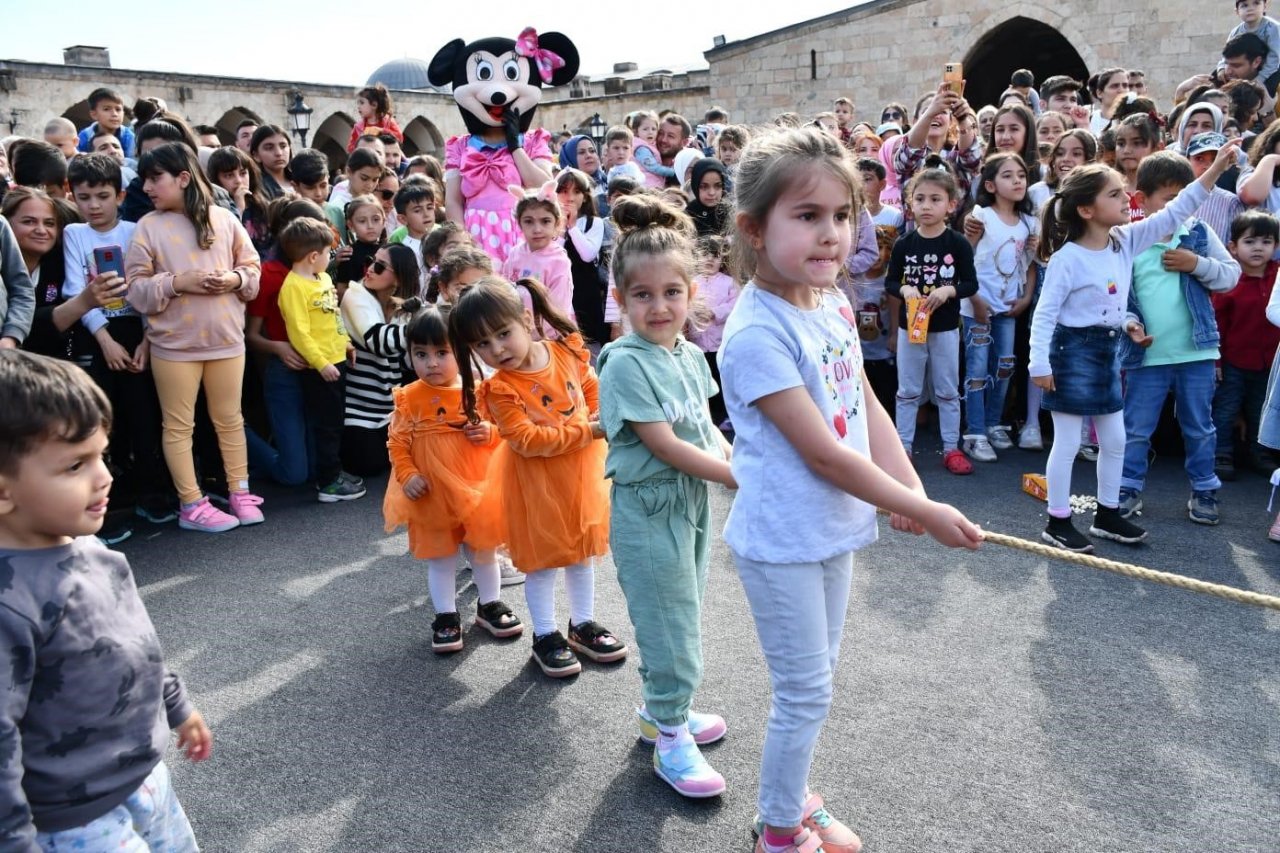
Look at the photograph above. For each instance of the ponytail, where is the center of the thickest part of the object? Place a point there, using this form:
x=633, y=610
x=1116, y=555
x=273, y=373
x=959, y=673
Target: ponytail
x=544, y=312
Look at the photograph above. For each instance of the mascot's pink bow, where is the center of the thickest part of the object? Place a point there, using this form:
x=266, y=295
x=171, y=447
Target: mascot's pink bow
x=546, y=60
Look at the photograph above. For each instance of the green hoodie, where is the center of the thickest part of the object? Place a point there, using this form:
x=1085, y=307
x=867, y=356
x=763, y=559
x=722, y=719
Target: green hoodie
x=642, y=382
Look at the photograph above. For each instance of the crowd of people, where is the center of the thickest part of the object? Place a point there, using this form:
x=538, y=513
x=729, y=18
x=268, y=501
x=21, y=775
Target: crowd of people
x=557, y=372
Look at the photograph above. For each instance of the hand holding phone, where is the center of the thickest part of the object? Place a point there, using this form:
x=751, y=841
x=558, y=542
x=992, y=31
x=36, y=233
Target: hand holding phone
x=110, y=259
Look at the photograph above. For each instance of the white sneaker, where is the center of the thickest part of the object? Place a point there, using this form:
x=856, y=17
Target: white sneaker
x=977, y=447
x=1088, y=452
x=509, y=574
x=1030, y=438
x=999, y=437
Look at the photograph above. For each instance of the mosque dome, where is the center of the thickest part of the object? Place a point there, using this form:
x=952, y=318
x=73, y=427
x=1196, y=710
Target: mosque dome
x=410, y=74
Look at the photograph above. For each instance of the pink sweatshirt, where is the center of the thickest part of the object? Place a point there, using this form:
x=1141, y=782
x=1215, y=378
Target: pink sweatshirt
x=549, y=265
x=720, y=294
x=186, y=326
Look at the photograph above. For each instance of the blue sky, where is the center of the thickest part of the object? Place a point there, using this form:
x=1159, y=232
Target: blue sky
x=273, y=40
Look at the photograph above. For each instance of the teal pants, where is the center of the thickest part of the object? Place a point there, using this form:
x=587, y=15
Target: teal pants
x=659, y=533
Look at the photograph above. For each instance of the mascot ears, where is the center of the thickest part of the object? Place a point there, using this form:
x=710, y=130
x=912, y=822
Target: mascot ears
x=449, y=66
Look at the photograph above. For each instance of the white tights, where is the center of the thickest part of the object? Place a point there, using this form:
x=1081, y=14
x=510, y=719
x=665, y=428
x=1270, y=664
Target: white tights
x=1066, y=442
x=540, y=595
x=442, y=579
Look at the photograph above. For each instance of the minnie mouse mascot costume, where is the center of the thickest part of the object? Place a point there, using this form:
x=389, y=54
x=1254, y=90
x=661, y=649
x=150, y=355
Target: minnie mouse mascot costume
x=497, y=84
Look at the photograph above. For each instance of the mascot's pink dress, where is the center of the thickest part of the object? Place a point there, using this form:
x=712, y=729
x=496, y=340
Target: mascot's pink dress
x=487, y=170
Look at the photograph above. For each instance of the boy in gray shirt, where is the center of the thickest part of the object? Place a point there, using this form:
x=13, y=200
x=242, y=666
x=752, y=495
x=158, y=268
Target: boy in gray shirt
x=88, y=705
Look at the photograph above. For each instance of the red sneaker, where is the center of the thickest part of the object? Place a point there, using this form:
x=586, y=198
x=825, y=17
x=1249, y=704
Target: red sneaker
x=956, y=462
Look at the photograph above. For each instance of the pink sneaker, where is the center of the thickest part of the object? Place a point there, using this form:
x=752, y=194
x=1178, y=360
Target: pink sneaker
x=206, y=518
x=244, y=506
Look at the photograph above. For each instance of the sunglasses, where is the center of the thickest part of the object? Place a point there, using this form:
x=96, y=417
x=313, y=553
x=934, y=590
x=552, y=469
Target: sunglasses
x=890, y=115
x=376, y=266
x=387, y=195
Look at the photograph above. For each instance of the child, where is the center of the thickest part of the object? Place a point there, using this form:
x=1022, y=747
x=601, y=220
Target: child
x=617, y=157
x=662, y=447
x=364, y=170
x=1269, y=427
x=120, y=365
x=61, y=134
x=270, y=149
x=1222, y=206
x=106, y=108
x=729, y=145
x=708, y=208
x=583, y=236
x=540, y=254
x=309, y=305
x=933, y=264
x=1170, y=302
x=415, y=206
x=1255, y=21
x=365, y=232
x=461, y=267
x=1249, y=341
x=439, y=488
x=718, y=293
x=877, y=318
x=78, y=630
x=845, y=118
x=235, y=171
x=191, y=269
x=1089, y=245
x=373, y=105
x=1006, y=285
x=448, y=235
x=645, y=126
x=1137, y=137
x=550, y=469
x=805, y=428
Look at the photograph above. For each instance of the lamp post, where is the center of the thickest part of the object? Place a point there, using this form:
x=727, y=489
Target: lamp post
x=14, y=119
x=300, y=114
x=598, y=127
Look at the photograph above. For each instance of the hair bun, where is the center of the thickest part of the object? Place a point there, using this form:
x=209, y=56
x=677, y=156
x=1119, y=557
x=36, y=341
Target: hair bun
x=637, y=212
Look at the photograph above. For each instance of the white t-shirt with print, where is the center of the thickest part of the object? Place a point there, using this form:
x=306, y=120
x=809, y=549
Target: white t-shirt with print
x=1000, y=260
x=784, y=513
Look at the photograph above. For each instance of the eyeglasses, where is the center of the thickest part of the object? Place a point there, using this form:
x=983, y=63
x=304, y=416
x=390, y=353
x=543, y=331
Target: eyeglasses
x=376, y=266
x=387, y=195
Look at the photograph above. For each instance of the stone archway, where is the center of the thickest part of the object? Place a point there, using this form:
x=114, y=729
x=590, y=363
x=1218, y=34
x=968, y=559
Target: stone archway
x=331, y=138
x=1019, y=42
x=226, y=126
x=422, y=137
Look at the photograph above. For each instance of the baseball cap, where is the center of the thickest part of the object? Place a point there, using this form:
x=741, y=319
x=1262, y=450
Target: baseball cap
x=888, y=127
x=1210, y=140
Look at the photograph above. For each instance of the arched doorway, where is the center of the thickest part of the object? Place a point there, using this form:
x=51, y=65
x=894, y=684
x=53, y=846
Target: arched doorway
x=79, y=115
x=331, y=138
x=226, y=126
x=422, y=137
x=1017, y=43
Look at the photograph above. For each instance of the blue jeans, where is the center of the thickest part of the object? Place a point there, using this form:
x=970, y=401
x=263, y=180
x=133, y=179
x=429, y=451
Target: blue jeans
x=988, y=364
x=799, y=611
x=290, y=461
x=1239, y=389
x=1192, y=384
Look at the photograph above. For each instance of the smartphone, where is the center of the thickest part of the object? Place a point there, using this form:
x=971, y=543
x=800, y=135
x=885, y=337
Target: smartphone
x=110, y=259
x=953, y=76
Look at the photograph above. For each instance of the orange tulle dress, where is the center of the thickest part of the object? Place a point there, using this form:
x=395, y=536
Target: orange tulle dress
x=462, y=503
x=549, y=469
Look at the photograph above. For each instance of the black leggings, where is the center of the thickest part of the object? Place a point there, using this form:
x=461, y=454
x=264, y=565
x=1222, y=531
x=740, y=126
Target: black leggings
x=364, y=451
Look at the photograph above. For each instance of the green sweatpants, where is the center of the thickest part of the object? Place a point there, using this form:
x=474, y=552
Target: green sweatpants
x=659, y=533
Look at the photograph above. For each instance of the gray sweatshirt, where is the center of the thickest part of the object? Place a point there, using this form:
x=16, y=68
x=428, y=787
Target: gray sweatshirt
x=18, y=297
x=87, y=702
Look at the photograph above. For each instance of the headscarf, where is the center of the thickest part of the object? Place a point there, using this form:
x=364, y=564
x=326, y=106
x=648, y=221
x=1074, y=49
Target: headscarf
x=569, y=159
x=1200, y=107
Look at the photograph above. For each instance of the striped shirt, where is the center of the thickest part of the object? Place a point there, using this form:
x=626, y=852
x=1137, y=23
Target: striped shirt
x=380, y=360
x=1219, y=210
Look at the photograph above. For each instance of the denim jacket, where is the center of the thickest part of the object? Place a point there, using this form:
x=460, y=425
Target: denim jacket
x=1195, y=290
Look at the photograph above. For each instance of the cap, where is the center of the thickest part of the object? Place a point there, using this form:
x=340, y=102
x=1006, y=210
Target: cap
x=1208, y=141
x=888, y=127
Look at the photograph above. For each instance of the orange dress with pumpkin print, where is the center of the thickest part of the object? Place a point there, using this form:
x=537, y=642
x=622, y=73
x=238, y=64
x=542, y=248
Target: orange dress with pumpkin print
x=462, y=504
x=549, y=469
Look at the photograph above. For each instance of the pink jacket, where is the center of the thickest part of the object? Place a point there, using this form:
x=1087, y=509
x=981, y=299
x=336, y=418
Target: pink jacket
x=720, y=294
x=550, y=266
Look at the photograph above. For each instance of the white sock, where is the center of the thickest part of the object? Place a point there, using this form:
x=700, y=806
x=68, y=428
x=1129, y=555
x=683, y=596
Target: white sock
x=442, y=583
x=540, y=596
x=580, y=583
x=485, y=575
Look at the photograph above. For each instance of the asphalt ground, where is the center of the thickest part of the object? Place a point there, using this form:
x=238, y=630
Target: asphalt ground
x=987, y=701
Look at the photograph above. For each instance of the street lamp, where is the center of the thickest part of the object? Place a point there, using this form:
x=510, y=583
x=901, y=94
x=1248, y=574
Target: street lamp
x=300, y=113
x=598, y=127
x=14, y=119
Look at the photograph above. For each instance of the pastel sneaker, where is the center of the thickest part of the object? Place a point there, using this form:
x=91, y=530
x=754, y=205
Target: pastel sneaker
x=803, y=842
x=683, y=768
x=244, y=506
x=204, y=517
x=833, y=835
x=705, y=728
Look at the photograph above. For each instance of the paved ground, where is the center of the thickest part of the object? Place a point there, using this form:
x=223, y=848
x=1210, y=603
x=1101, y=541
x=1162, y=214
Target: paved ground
x=985, y=701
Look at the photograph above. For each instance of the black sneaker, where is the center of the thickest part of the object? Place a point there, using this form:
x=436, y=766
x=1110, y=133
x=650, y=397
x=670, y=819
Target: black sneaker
x=497, y=618
x=340, y=490
x=351, y=478
x=594, y=640
x=1062, y=533
x=157, y=509
x=115, y=531
x=1108, y=524
x=554, y=655
x=446, y=633
x=1225, y=468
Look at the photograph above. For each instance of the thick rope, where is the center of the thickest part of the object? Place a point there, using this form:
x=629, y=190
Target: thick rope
x=1243, y=596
